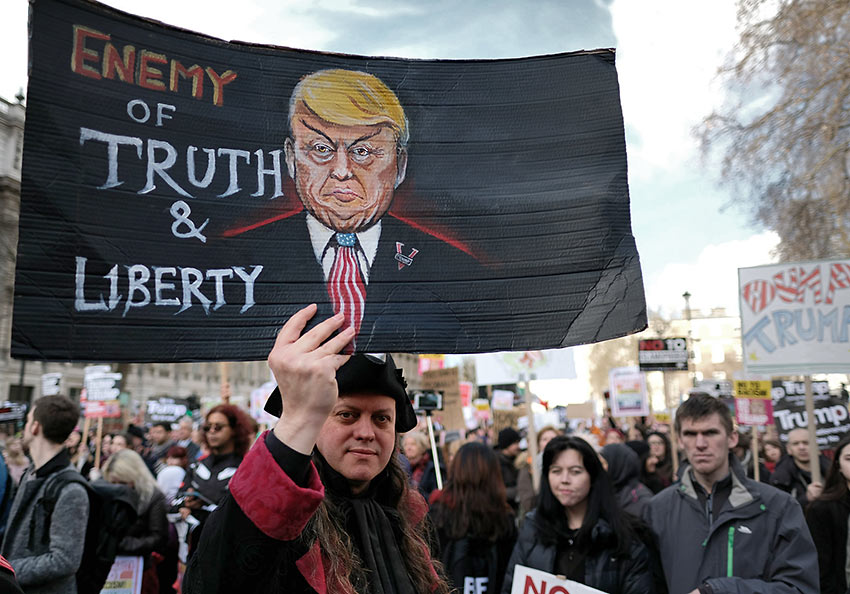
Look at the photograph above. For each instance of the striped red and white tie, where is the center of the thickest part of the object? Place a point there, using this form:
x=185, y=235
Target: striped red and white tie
x=345, y=283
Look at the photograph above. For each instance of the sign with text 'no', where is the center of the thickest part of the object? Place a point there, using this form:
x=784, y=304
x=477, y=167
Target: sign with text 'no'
x=183, y=196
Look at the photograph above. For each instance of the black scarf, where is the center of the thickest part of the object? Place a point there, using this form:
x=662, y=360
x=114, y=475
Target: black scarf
x=372, y=521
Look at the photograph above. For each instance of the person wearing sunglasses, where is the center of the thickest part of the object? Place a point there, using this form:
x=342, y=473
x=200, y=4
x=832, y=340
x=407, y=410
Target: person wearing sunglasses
x=227, y=434
x=321, y=503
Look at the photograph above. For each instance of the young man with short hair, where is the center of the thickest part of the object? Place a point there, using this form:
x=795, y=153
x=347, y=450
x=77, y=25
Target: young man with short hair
x=719, y=531
x=44, y=548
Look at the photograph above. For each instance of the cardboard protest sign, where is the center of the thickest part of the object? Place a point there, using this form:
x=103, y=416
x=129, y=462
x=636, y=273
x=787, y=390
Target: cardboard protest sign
x=183, y=196
x=795, y=317
x=447, y=381
x=832, y=421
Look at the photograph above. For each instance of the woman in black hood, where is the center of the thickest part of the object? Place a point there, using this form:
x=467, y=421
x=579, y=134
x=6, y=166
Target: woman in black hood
x=624, y=470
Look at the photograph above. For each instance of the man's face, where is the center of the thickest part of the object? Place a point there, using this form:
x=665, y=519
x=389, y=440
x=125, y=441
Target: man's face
x=158, y=435
x=344, y=175
x=512, y=451
x=185, y=430
x=707, y=445
x=218, y=430
x=798, y=445
x=358, y=437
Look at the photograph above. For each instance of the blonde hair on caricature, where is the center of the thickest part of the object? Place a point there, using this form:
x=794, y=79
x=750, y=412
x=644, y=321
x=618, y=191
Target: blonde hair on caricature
x=350, y=98
x=127, y=467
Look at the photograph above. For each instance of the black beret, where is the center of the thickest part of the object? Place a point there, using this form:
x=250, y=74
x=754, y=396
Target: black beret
x=367, y=373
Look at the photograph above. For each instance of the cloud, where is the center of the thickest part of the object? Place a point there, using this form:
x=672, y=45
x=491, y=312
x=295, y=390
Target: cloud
x=712, y=280
x=667, y=59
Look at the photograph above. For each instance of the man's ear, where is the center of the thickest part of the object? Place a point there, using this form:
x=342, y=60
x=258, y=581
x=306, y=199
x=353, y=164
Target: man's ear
x=733, y=439
x=289, y=156
x=401, y=163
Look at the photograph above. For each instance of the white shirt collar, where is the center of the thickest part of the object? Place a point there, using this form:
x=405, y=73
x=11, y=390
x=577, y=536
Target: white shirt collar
x=321, y=235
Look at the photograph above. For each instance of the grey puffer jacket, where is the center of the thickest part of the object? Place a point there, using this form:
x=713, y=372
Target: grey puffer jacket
x=47, y=565
x=603, y=571
x=757, y=543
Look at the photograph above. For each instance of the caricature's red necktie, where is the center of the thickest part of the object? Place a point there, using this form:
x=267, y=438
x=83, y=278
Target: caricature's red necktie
x=345, y=283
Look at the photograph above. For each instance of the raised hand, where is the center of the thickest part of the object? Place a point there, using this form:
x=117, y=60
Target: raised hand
x=304, y=367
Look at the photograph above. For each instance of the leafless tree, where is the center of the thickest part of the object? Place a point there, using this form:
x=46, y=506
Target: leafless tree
x=783, y=138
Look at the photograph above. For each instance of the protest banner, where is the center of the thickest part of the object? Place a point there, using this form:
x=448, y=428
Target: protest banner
x=627, y=387
x=172, y=209
x=795, y=317
x=753, y=389
x=165, y=410
x=534, y=581
x=663, y=354
x=753, y=411
x=832, y=420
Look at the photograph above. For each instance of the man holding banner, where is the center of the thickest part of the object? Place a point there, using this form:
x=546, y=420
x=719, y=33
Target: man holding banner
x=719, y=531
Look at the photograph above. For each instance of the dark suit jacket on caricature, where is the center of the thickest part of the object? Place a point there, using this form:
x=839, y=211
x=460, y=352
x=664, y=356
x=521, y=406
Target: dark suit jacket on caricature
x=402, y=302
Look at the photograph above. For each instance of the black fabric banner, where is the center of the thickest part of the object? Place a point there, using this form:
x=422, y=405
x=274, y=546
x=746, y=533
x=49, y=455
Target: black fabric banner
x=183, y=196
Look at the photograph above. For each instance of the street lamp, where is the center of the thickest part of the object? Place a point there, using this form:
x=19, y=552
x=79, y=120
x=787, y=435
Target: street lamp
x=687, y=297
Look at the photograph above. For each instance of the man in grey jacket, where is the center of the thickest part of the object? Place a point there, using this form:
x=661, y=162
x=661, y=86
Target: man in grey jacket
x=719, y=531
x=45, y=548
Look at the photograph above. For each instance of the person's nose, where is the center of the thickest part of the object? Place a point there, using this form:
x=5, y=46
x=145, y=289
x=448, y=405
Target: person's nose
x=363, y=429
x=341, y=165
x=701, y=441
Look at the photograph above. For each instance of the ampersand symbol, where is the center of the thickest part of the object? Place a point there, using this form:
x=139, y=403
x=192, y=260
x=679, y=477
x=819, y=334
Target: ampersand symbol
x=181, y=211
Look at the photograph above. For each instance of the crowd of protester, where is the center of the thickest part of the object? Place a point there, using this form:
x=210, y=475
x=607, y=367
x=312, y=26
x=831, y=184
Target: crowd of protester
x=594, y=504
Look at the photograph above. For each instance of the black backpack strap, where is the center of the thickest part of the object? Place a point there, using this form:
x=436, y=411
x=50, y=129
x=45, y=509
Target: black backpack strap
x=54, y=485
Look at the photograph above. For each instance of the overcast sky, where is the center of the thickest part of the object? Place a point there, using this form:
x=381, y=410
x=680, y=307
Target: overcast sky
x=666, y=60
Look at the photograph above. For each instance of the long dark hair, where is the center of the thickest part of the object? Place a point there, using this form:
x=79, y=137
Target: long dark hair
x=473, y=502
x=601, y=504
x=835, y=487
x=345, y=572
x=241, y=423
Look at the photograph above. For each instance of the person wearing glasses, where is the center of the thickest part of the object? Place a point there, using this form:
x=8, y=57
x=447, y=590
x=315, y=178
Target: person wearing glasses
x=321, y=503
x=227, y=435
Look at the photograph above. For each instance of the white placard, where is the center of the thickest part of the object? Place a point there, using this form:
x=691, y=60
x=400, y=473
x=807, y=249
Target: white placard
x=506, y=368
x=125, y=576
x=627, y=387
x=795, y=317
x=534, y=581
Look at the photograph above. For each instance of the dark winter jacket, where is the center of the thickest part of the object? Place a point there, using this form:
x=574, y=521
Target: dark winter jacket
x=758, y=541
x=791, y=479
x=510, y=476
x=470, y=558
x=253, y=542
x=210, y=476
x=603, y=571
x=45, y=548
x=828, y=523
x=149, y=533
x=624, y=470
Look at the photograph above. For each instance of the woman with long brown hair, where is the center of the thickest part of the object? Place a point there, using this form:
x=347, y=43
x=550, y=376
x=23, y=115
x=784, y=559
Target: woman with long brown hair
x=827, y=517
x=475, y=525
